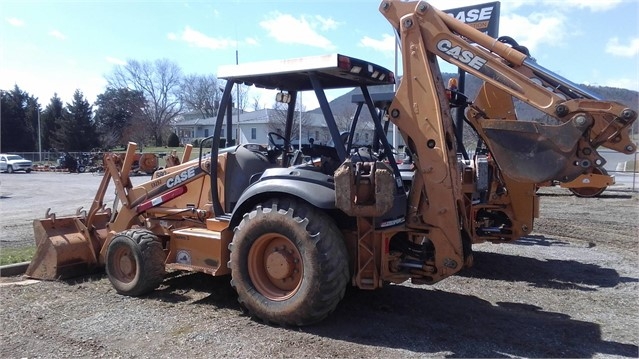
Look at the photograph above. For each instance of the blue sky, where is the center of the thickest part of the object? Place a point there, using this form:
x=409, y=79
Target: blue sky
x=58, y=46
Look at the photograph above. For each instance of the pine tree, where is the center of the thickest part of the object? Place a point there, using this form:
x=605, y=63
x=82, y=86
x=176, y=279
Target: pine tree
x=173, y=140
x=18, y=116
x=77, y=131
x=51, y=121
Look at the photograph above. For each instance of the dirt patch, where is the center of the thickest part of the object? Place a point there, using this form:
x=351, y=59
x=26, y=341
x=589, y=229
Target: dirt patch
x=570, y=289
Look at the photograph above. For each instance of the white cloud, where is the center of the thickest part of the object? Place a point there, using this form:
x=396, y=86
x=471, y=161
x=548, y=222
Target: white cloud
x=624, y=50
x=251, y=41
x=558, y=5
x=198, y=39
x=327, y=24
x=115, y=61
x=592, y=5
x=386, y=44
x=57, y=34
x=290, y=30
x=15, y=22
x=535, y=29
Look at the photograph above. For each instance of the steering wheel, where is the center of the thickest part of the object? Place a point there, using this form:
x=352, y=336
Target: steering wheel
x=271, y=139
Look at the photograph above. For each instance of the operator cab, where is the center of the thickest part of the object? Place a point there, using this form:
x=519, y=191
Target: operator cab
x=313, y=162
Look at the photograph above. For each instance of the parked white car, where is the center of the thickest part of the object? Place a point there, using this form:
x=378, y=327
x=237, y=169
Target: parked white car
x=12, y=163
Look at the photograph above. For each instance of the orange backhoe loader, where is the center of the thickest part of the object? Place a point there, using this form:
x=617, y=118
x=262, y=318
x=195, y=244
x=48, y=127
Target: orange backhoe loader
x=294, y=226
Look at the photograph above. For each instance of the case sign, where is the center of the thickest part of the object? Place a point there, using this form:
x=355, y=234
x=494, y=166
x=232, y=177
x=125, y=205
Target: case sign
x=483, y=17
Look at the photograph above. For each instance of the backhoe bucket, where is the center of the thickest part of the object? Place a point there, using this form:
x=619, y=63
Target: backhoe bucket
x=63, y=250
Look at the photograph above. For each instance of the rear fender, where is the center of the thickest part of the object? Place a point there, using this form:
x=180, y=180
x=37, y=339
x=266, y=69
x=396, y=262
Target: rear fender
x=313, y=187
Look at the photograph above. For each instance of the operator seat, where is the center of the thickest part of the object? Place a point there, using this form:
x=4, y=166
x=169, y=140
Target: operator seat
x=242, y=167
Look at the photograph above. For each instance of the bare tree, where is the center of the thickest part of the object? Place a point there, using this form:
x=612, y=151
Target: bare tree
x=201, y=93
x=159, y=81
x=242, y=101
x=110, y=138
x=256, y=103
x=136, y=132
x=277, y=123
x=343, y=118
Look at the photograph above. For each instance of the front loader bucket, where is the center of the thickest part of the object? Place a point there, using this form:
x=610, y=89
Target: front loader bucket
x=63, y=251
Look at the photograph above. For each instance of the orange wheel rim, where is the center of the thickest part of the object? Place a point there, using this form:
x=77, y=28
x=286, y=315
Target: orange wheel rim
x=275, y=266
x=125, y=267
x=587, y=191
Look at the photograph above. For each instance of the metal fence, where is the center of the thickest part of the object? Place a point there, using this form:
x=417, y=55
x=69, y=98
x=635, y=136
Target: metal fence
x=625, y=167
x=45, y=158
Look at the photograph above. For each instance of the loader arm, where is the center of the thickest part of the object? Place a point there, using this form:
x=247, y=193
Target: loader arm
x=76, y=245
x=161, y=193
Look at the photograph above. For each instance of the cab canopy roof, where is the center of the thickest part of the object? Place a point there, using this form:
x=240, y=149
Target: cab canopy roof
x=332, y=71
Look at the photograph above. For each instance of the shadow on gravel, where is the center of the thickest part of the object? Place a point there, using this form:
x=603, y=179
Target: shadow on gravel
x=538, y=240
x=461, y=326
x=428, y=320
x=604, y=195
x=552, y=273
x=176, y=284
x=89, y=277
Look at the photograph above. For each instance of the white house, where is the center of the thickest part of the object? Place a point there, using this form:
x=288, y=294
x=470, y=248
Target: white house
x=253, y=127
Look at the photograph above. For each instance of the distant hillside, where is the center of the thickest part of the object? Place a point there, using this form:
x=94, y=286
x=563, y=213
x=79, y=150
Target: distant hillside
x=524, y=112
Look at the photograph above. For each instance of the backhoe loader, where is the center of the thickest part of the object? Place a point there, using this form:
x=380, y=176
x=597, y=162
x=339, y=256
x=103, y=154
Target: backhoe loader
x=293, y=226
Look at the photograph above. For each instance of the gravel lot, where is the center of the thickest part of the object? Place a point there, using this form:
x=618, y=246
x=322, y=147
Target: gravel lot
x=568, y=290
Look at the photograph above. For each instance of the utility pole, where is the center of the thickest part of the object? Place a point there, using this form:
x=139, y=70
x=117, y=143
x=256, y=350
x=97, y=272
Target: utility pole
x=301, y=108
x=39, y=138
x=237, y=85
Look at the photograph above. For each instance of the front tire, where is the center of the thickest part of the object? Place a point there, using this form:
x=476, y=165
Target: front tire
x=289, y=263
x=9, y=169
x=135, y=262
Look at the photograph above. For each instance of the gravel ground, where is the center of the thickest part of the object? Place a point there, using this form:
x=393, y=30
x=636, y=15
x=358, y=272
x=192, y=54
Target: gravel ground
x=568, y=290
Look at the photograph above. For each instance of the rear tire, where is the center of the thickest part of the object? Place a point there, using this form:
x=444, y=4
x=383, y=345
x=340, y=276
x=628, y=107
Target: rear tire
x=28, y=170
x=135, y=262
x=9, y=169
x=289, y=263
x=81, y=169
